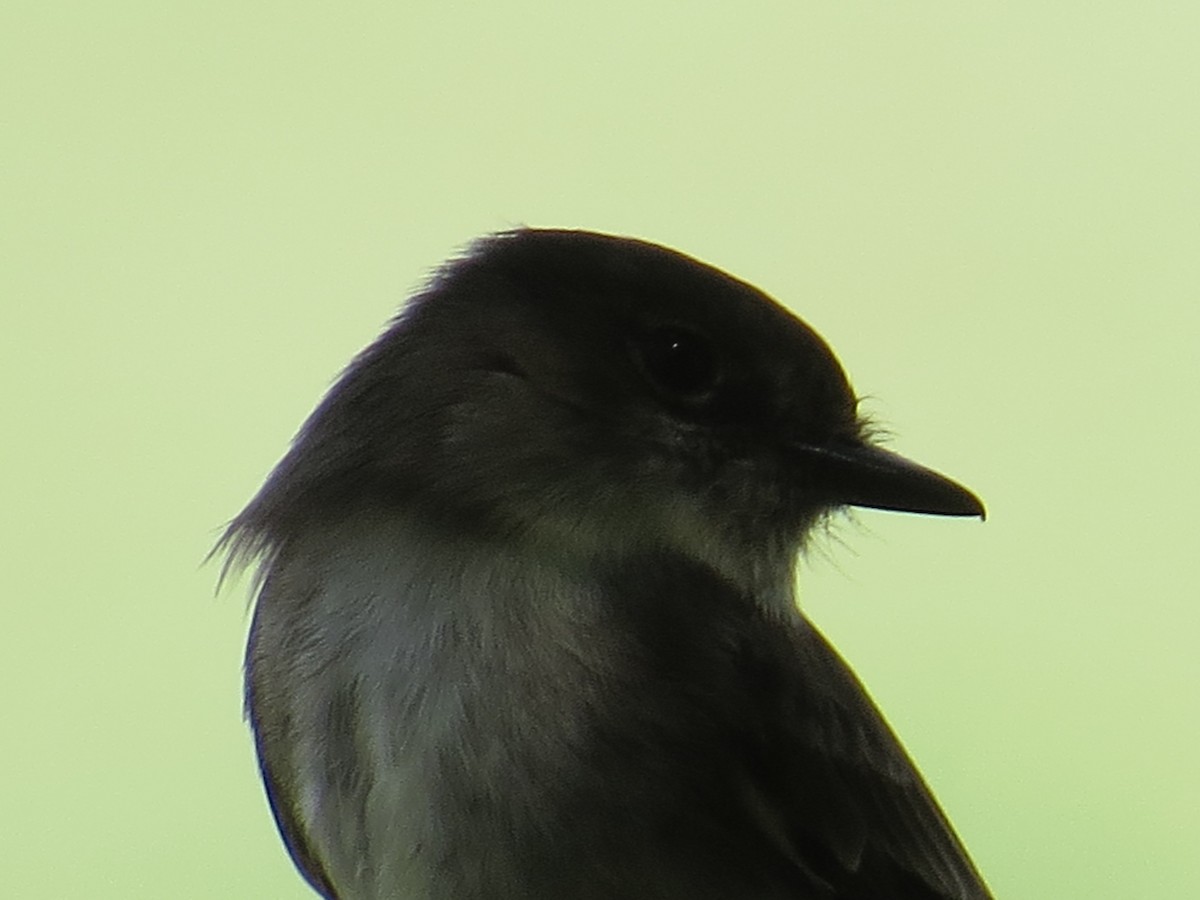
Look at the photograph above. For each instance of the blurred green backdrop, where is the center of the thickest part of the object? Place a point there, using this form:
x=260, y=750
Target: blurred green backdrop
x=991, y=211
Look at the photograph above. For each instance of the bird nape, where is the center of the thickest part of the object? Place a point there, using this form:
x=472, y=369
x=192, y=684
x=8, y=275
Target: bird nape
x=525, y=624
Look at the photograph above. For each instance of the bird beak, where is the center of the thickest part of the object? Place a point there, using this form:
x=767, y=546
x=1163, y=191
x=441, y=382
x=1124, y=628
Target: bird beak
x=861, y=474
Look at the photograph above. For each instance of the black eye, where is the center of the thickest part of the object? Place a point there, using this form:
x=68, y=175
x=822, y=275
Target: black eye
x=679, y=361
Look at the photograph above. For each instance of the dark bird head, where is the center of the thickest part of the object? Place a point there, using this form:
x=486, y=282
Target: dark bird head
x=578, y=393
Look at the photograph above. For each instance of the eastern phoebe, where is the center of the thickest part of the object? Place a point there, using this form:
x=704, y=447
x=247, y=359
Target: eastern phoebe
x=526, y=625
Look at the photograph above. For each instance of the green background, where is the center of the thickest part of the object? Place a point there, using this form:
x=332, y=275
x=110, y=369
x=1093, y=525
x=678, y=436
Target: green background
x=992, y=212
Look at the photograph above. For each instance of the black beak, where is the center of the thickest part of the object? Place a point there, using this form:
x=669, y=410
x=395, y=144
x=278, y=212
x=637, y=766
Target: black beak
x=857, y=474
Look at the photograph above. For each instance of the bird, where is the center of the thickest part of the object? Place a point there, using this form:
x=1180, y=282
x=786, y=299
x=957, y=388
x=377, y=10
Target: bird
x=525, y=617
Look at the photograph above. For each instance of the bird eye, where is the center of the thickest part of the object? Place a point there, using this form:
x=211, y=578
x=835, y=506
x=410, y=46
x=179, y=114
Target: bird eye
x=679, y=361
